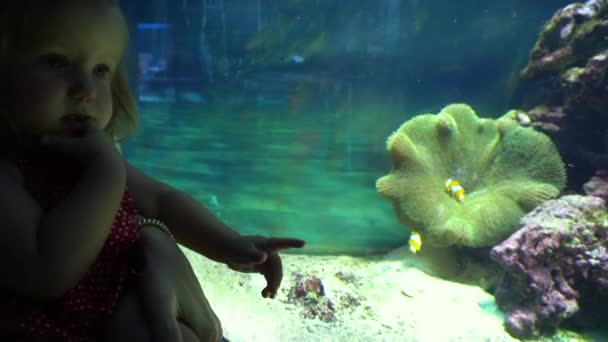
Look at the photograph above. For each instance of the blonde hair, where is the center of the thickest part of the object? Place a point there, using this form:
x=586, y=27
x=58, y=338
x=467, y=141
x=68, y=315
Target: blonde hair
x=16, y=30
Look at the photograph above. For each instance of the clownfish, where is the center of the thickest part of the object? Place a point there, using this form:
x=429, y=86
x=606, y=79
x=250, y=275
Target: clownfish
x=454, y=189
x=415, y=242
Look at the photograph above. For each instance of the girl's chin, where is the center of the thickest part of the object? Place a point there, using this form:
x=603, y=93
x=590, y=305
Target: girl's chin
x=72, y=128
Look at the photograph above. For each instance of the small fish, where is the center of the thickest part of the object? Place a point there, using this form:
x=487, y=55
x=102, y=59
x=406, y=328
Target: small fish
x=415, y=242
x=454, y=189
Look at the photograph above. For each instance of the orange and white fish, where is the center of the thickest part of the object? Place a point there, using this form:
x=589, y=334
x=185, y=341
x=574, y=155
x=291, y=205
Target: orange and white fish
x=454, y=189
x=415, y=242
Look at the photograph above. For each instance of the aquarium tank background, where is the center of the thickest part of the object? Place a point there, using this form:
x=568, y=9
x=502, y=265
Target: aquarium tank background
x=482, y=122
x=275, y=113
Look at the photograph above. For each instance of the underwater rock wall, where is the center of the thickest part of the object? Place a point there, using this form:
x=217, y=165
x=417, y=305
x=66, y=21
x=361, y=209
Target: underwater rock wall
x=566, y=87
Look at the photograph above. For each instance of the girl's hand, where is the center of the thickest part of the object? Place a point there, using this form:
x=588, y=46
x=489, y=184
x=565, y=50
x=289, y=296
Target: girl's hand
x=85, y=144
x=169, y=291
x=259, y=254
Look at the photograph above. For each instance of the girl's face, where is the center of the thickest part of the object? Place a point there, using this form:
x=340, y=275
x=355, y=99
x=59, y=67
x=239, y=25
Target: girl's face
x=68, y=70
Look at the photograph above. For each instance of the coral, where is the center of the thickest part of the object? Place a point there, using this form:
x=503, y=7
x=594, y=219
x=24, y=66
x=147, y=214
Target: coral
x=309, y=293
x=586, y=87
x=547, y=119
x=571, y=36
x=559, y=252
x=598, y=185
x=505, y=169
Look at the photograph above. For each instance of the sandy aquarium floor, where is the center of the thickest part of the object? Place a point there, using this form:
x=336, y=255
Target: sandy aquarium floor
x=379, y=299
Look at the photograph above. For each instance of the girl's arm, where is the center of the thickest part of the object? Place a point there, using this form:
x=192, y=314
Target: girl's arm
x=193, y=225
x=44, y=254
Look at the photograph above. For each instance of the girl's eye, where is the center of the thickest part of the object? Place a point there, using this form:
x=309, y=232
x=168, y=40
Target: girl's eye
x=102, y=70
x=60, y=62
x=55, y=61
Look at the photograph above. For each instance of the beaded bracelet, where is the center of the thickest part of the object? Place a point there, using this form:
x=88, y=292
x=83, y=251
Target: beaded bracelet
x=156, y=223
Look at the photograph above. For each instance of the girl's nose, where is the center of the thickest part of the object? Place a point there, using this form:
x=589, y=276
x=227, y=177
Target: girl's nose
x=83, y=89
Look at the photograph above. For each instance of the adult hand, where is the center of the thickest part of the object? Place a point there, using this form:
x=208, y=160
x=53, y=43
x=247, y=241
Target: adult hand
x=258, y=254
x=170, y=291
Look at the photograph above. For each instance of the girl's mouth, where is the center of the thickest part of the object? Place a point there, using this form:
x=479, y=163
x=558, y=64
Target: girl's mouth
x=76, y=123
x=75, y=117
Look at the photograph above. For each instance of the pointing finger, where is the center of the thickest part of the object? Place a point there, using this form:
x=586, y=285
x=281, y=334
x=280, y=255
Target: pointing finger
x=283, y=243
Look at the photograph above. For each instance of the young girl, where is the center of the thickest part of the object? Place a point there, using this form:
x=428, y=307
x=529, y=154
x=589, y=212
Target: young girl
x=69, y=201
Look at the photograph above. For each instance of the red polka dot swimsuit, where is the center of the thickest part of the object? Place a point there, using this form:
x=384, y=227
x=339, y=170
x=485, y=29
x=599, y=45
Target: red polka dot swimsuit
x=82, y=312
